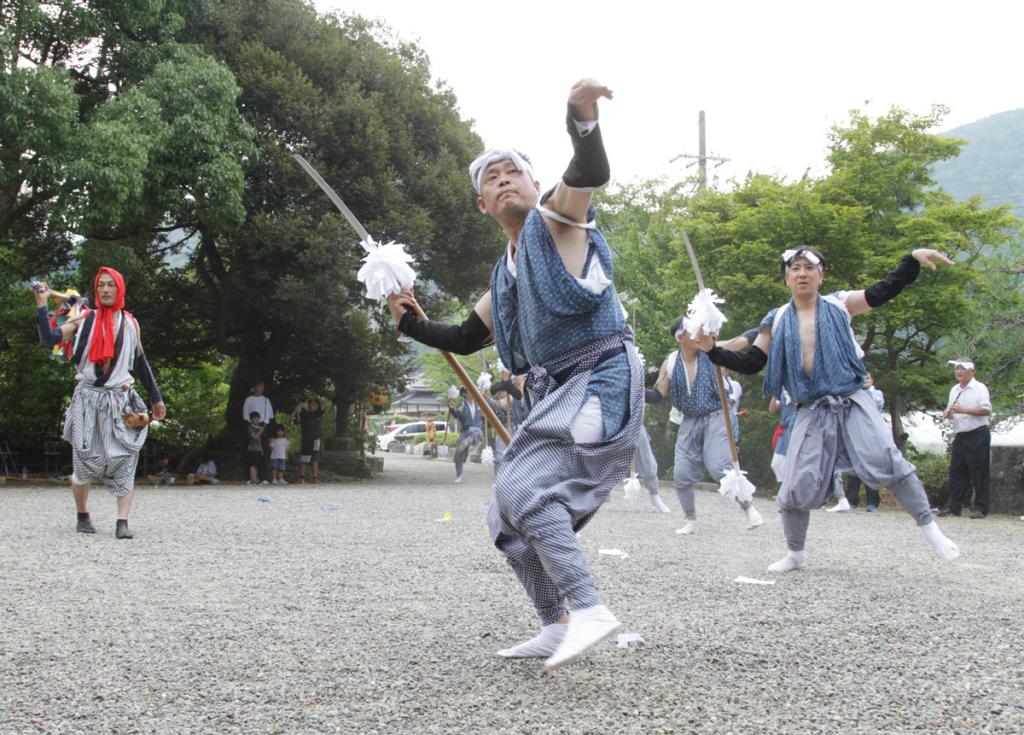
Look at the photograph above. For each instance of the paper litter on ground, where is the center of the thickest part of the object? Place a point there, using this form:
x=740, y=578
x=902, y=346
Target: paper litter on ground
x=624, y=639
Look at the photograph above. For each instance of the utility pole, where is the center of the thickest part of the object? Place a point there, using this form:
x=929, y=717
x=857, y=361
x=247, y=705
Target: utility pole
x=702, y=156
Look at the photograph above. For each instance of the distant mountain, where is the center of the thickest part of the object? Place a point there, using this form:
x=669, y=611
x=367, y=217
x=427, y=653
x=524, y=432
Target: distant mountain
x=991, y=164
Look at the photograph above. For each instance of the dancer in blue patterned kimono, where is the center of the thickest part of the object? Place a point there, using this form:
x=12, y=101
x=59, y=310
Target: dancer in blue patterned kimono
x=471, y=430
x=702, y=444
x=556, y=317
x=810, y=350
x=108, y=357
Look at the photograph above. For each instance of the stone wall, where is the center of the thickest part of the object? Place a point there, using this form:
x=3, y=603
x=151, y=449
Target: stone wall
x=1007, y=480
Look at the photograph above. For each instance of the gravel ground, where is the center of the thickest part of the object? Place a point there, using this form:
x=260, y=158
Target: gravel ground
x=351, y=608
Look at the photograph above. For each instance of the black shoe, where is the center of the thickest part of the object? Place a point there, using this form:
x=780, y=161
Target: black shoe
x=122, y=530
x=947, y=512
x=977, y=514
x=85, y=525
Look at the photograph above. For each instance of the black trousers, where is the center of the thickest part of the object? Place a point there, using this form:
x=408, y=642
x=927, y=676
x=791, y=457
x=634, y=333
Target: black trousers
x=969, y=467
x=852, y=488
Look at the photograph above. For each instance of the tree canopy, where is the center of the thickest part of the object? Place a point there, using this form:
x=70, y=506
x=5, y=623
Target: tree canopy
x=164, y=149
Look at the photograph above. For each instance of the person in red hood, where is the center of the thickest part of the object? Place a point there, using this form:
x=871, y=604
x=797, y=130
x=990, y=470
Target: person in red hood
x=105, y=423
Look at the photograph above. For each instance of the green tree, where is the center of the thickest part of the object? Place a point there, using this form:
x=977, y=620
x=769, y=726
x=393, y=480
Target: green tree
x=280, y=291
x=116, y=140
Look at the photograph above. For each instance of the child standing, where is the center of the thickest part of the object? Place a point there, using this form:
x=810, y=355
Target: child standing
x=278, y=457
x=255, y=447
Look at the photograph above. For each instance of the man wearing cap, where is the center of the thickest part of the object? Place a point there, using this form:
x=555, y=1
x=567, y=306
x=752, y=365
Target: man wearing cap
x=556, y=317
x=103, y=424
x=810, y=351
x=969, y=407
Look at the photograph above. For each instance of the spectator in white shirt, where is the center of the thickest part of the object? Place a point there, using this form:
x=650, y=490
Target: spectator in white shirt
x=205, y=474
x=969, y=407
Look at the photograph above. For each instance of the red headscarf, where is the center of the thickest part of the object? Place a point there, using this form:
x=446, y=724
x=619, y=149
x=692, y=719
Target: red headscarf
x=102, y=348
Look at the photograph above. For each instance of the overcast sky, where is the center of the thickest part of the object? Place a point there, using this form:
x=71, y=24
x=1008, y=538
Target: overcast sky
x=772, y=77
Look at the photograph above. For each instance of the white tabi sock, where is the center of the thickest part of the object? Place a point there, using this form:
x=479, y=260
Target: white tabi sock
x=586, y=627
x=540, y=646
x=753, y=517
x=946, y=549
x=658, y=503
x=792, y=561
x=841, y=507
x=690, y=527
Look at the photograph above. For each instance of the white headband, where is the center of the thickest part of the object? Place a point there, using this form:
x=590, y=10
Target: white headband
x=493, y=155
x=791, y=254
x=965, y=364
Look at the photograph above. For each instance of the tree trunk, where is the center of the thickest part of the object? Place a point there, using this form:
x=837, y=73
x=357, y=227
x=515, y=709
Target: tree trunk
x=895, y=411
x=341, y=427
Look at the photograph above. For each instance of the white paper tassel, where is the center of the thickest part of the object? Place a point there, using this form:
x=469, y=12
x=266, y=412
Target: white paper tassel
x=631, y=487
x=385, y=269
x=453, y=393
x=487, y=456
x=736, y=486
x=483, y=383
x=703, y=315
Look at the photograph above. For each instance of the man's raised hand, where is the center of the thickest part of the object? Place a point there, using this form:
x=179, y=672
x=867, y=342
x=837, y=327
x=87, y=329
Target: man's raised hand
x=930, y=258
x=584, y=96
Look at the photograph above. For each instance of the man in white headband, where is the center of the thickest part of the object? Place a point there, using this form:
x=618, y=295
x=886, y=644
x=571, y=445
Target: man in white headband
x=810, y=351
x=555, y=316
x=969, y=407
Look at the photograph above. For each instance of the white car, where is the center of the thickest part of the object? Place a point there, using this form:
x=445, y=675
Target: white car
x=405, y=430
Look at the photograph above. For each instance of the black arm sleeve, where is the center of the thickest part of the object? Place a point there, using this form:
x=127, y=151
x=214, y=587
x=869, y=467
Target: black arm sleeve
x=144, y=374
x=463, y=339
x=48, y=335
x=898, y=279
x=652, y=396
x=589, y=167
x=747, y=363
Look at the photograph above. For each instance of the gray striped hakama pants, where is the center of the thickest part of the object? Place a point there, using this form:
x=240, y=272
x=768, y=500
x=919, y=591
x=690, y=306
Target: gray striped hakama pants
x=702, y=445
x=103, y=448
x=646, y=464
x=843, y=434
x=467, y=439
x=548, y=486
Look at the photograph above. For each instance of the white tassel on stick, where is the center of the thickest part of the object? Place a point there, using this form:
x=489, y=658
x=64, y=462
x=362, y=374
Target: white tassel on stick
x=385, y=270
x=487, y=456
x=484, y=382
x=702, y=315
x=736, y=486
x=631, y=487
